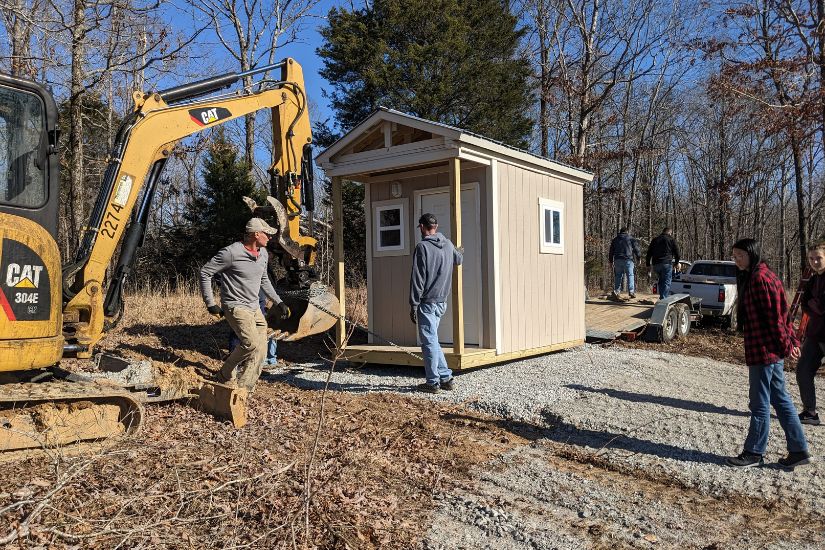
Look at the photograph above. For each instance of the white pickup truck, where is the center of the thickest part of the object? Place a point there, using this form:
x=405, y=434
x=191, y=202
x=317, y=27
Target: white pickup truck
x=713, y=281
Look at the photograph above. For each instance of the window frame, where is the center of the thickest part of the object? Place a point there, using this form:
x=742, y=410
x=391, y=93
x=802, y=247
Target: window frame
x=546, y=247
x=403, y=248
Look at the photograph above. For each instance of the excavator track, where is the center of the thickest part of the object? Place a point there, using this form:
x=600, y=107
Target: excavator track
x=59, y=412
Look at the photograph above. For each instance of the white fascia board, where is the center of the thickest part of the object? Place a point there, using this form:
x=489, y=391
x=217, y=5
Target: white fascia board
x=389, y=162
x=326, y=156
x=480, y=147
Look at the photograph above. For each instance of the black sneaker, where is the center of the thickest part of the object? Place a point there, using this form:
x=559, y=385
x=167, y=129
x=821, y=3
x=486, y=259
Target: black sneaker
x=807, y=418
x=793, y=460
x=448, y=385
x=428, y=388
x=745, y=460
x=632, y=294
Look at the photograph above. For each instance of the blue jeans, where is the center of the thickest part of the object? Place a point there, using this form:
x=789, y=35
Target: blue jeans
x=665, y=273
x=767, y=387
x=435, y=364
x=623, y=267
x=272, y=344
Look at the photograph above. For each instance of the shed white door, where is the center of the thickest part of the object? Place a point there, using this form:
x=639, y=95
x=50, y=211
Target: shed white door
x=438, y=204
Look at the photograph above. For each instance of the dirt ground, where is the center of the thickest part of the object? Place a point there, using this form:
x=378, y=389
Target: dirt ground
x=353, y=470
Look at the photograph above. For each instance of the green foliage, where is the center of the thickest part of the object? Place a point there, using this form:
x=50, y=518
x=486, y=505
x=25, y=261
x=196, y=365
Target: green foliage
x=450, y=61
x=218, y=214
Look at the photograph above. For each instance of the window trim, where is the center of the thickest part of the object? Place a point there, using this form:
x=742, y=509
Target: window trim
x=544, y=246
x=403, y=248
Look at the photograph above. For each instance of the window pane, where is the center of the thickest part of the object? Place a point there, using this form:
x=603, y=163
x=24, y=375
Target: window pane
x=22, y=150
x=390, y=237
x=556, y=227
x=548, y=226
x=391, y=218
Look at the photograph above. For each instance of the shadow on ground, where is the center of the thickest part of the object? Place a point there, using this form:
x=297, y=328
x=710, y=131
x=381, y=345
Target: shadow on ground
x=686, y=404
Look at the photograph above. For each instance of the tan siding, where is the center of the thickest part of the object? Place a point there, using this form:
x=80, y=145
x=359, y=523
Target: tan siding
x=541, y=294
x=391, y=274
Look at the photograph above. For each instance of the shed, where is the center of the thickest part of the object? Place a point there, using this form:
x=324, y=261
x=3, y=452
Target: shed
x=518, y=216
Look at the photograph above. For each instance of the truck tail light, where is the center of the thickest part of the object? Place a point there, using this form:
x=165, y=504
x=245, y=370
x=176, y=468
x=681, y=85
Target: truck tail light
x=722, y=294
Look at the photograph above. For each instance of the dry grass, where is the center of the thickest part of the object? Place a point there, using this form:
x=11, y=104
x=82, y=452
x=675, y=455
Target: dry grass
x=373, y=462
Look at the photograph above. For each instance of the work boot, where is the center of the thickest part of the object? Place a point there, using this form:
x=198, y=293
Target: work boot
x=798, y=458
x=745, y=460
x=811, y=419
x=428, y=388
x=448, y=385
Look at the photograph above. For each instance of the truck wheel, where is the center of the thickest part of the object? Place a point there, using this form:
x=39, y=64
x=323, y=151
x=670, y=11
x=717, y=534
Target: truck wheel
x=670, y=324
x=683, y=320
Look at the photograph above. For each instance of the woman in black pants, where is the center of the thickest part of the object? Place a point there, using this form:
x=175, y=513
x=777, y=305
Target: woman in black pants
x=813, y=348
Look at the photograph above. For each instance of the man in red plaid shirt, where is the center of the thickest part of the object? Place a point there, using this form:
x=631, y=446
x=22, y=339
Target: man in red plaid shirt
x=769, y=339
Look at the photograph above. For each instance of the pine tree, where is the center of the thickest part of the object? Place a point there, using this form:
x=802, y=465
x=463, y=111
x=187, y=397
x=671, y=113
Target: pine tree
x=218, y=214
x=450, y=61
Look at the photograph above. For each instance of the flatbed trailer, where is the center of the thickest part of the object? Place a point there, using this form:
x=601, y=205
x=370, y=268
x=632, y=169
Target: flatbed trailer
x=661, y=321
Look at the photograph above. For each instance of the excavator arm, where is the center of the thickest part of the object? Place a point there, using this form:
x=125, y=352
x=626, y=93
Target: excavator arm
x=144, y=144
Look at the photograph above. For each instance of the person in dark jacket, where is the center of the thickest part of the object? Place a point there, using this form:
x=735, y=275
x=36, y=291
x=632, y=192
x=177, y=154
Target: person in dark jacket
x=769, y=338
x=813, y=348
x=624, y=254
x=431, y=282
x=662, y=256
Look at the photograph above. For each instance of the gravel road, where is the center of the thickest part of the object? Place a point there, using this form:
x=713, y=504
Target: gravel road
x=626, y=450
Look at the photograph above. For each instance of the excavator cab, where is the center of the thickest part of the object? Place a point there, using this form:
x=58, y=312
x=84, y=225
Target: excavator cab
x=30, y=282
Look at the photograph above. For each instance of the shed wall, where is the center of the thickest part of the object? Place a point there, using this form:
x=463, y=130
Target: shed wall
x=542, y=295
x=390, y=275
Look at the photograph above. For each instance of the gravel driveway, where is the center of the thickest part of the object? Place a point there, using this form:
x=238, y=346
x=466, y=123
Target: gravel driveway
x=626, y=450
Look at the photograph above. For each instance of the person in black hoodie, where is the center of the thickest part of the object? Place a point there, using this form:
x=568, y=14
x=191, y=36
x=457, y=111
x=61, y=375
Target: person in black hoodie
x=624, y=250
x=662, y=256
x=431, y=282
x=813, y=348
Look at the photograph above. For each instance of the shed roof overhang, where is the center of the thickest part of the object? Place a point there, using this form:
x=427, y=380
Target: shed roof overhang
x=373, y=146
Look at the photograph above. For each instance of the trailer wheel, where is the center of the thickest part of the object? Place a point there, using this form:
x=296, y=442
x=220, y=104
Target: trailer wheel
x=670, y=324
x=682, y=320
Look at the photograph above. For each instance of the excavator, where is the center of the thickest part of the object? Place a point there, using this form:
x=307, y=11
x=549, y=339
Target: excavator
x=50, y=311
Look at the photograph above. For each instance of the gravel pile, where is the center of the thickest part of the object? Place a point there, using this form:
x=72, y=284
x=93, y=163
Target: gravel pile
x=664, y=418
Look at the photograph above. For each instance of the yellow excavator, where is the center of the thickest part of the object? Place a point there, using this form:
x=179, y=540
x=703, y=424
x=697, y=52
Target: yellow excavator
x=49, y=311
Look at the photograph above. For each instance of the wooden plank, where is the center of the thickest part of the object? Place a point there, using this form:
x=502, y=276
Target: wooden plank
x=458, y=289
x=338, y=229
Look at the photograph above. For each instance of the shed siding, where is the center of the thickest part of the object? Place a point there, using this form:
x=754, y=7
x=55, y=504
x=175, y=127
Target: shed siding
x=391, y=274
x=542, y=295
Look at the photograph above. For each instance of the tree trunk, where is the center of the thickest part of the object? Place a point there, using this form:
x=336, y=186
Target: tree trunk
x=76, y=188
x=796, y=151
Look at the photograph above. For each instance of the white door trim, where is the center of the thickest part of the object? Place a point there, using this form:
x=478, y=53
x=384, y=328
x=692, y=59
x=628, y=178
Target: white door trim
x=469, y=186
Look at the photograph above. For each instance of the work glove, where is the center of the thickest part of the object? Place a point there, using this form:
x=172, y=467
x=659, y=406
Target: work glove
x=216, y=311
x=414, y=315
x=283, y=310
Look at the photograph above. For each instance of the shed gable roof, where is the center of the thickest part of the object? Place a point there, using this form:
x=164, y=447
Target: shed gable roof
x=368, y=135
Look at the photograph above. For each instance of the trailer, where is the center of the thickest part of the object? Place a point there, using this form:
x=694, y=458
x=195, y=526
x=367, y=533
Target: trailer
x=661, y=321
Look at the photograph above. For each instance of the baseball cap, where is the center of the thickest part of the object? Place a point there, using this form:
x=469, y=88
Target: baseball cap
x=257, y=224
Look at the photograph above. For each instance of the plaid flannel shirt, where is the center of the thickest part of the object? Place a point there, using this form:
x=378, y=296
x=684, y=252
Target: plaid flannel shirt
x=769, y=336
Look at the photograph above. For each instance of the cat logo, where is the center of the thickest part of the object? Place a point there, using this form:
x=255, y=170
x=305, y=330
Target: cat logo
x=26, y=276
x=208, y=115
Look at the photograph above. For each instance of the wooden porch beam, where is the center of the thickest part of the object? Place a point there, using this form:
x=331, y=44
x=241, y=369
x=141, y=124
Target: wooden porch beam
x=458, y=289
x=338, y=248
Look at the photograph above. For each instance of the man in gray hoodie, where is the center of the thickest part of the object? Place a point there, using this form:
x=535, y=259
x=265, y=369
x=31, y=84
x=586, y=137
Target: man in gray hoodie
x=431, y=282
x=242, y=266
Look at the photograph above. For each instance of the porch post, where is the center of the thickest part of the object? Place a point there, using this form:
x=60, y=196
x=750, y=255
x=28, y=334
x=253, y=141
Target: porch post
x=458, y=289
x=338, y=248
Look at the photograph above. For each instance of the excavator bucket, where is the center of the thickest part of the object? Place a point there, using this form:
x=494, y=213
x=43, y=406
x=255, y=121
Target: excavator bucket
x=312, y=311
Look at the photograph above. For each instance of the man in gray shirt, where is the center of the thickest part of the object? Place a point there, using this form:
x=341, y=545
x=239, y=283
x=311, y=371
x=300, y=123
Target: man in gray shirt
x=242, y=266
x=431, y=282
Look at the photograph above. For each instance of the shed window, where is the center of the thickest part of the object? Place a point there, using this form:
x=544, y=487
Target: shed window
x=551, y=222
x=390, y=218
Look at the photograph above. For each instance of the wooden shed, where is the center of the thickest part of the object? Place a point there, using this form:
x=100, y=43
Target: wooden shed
x=518, y=216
